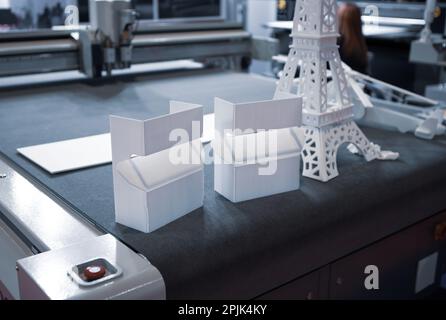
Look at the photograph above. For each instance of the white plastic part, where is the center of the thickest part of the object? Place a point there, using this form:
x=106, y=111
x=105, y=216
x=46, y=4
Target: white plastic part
x=328, y=121
x=382, y=155
x=147, y=177
x=257, y=148
x=392, y=90
x=393, y=112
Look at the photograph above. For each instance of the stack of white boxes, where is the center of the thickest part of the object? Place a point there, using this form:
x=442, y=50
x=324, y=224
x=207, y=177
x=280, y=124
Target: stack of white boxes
x=152, y=188
x=257, y=147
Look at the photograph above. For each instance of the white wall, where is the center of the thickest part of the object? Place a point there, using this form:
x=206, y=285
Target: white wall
x=19, y=7
x=4, y=4
x=258, y=13
x=39, y=5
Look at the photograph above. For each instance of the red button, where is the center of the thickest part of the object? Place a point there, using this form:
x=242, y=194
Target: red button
x=93, y=273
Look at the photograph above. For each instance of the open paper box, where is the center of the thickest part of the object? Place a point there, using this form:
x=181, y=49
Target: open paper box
x=257, y=147
x=151, y=187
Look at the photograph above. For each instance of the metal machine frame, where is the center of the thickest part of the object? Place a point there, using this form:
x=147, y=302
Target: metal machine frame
x=102, y=46
x=387, y=106
x=37, y=226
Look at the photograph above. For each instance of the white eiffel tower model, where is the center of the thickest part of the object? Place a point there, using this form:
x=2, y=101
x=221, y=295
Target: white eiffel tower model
x=328, y=122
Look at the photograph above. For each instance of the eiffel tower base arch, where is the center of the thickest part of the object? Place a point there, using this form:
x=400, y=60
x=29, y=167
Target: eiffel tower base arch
x=319, y=153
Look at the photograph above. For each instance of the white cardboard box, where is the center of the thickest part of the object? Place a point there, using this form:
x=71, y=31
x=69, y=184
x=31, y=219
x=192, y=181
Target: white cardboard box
x=150, y=190
x=264, y=157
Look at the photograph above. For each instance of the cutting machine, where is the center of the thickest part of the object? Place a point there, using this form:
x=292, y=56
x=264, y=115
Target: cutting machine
x=58, y=235
x=37, y=231
x=116, y=39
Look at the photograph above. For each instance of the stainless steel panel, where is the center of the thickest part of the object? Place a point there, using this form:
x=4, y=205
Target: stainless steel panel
x=44, y=222
x=45, y=276
x=149, y=26
x=11, y=250
x=37, y=46
x=38, y=63
x=189, y=37
x=34, y=34
x=190, y=51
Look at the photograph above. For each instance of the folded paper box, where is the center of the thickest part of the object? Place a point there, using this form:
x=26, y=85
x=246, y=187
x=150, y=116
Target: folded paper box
x=157, y=177
x=257, y=147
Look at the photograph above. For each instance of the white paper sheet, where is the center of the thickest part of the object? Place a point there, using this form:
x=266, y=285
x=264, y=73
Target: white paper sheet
x=75, y=154
x=70, y=155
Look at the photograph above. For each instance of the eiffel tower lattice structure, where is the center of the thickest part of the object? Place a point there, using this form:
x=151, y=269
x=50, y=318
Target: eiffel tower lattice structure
x=328, y=122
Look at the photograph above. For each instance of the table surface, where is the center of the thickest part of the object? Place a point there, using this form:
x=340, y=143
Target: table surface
x=227, y=250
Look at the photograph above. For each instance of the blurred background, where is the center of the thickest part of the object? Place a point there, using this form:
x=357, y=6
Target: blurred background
x=388, y=37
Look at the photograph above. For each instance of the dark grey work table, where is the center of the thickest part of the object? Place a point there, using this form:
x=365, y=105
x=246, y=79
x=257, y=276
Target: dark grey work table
x=227, y=250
